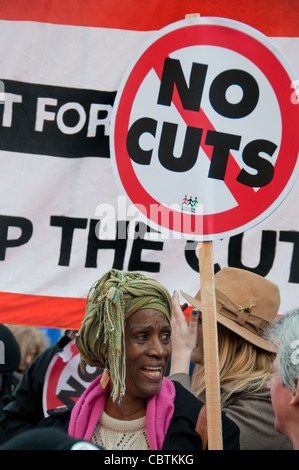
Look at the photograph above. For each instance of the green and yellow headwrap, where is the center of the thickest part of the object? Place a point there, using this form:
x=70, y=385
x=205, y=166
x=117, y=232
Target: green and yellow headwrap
x=111, y=301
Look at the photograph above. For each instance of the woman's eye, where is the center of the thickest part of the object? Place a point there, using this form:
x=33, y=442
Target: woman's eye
x=141, y=336
x=166, y=337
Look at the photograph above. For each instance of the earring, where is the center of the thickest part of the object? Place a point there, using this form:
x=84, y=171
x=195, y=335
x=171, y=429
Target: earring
x=105, y=377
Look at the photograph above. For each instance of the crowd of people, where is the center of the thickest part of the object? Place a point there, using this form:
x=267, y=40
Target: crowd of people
x=146, y=396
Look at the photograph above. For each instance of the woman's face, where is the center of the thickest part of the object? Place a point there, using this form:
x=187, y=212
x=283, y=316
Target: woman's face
x=281, y=398
x=148, y=349
x=26, y=361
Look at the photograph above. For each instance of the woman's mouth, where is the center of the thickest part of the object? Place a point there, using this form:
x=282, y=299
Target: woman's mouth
x=152, y=372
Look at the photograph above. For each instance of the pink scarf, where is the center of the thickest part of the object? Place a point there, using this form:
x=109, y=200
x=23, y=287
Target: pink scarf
x=88, y=409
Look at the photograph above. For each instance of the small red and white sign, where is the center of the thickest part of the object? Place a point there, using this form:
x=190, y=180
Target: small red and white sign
x=204, y=134
x=65, y=379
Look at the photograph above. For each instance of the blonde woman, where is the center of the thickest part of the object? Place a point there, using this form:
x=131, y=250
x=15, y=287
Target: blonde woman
x=31, y=342
x=246, y=304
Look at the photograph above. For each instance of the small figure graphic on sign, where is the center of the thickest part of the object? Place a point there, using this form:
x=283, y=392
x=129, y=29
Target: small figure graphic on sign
x=190, y=203
x=185, y=200
x=195, y=202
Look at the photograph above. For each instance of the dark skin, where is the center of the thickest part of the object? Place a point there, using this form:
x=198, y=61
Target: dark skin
x=148, y=349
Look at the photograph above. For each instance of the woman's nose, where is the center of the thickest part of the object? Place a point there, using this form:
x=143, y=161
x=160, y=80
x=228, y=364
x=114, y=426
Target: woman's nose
x=156, y=348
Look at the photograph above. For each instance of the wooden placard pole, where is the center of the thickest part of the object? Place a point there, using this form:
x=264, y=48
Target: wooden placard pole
x=210, y=345
x=210, y=337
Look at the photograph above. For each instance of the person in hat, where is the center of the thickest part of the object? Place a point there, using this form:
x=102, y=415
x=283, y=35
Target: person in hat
x=246, y=304
x=9, y=360
x=284, y=385
x=132, y=406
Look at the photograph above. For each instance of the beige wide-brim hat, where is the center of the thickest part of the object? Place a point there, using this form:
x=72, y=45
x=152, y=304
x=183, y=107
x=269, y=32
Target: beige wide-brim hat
x=246, y=304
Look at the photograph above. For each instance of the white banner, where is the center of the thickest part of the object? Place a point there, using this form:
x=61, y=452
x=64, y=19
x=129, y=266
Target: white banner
x=58, y=88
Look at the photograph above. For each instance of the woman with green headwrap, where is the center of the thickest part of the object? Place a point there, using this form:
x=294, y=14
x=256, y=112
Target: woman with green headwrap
x=114, y=299
x=132, y=406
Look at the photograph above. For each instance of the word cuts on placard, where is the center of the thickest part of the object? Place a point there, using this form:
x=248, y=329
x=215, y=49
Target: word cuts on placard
x=204, y=134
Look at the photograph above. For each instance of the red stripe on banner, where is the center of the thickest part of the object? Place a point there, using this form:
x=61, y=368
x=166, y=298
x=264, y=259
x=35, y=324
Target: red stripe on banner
x=41, y=311
x=272, y=17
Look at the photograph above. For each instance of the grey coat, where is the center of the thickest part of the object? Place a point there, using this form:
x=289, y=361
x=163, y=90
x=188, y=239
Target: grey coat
x=254, y=415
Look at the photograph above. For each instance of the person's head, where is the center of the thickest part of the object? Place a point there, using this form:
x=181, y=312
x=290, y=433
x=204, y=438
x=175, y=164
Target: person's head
x=284, y=385
x=9, y=360
x=246, y=304
x=10, y=355
x=31, y=341
x=127, y=330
